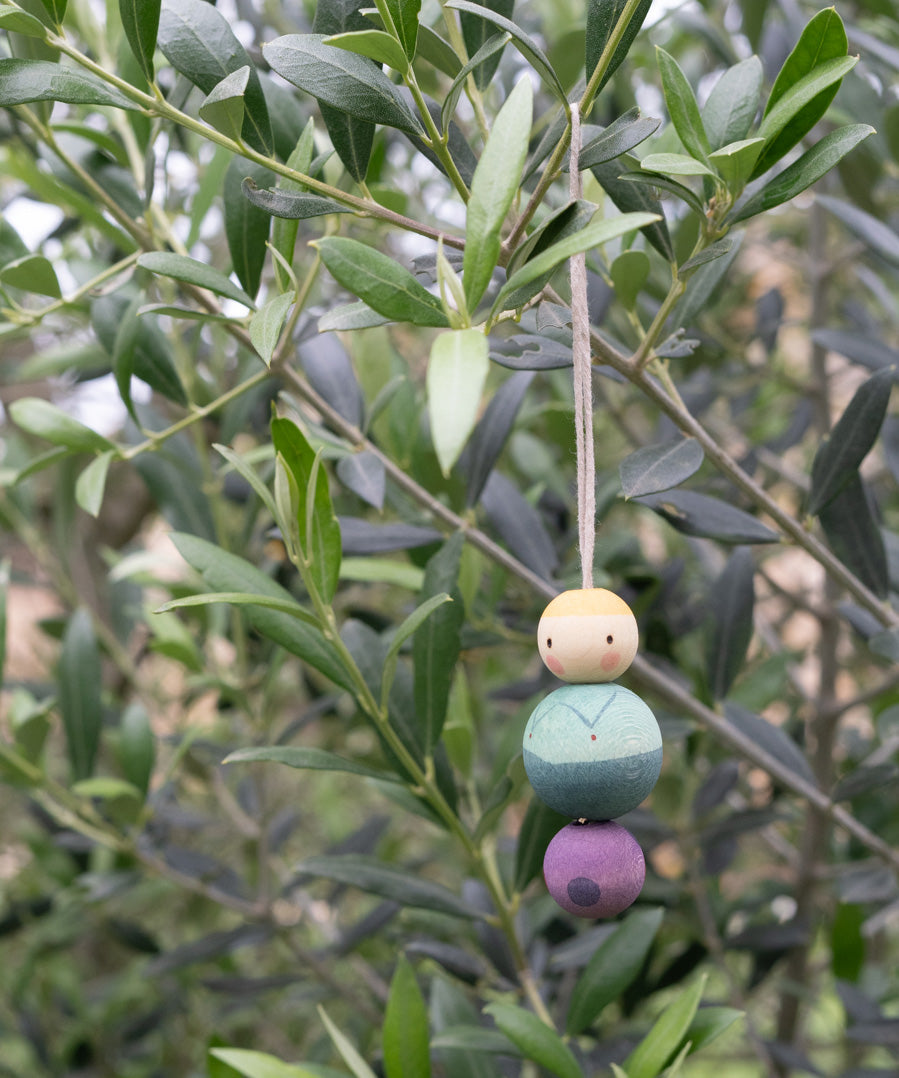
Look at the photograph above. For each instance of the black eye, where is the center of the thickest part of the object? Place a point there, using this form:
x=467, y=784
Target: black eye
x=549, y=641
x=608, y=639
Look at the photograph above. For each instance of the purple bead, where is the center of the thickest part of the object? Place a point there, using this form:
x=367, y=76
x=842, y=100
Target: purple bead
x=594, y=869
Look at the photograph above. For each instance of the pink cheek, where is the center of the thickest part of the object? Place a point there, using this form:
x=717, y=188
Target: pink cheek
x=610, y=661
x=553, y=663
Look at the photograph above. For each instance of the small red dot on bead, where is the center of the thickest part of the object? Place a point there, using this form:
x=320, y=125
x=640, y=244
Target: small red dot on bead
x=593, y=737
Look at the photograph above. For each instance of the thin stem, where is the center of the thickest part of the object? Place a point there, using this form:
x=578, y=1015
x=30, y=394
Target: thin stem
x=438, y=142
x=35, y=316
x=471, y=87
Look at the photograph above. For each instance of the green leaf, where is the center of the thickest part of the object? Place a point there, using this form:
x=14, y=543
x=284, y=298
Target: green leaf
x=32, y=273
x=436, y=51
x=342, y=1043
x=839, y=456
x=535, y=1039
x=4, y=614
x=365, y=475
x=493, y=45
x=266, y=323
x=675, y=164
x=808, y=169
x=568, y=220
x=80, y=678
x=493, y=188
x=246, y=225
x=595, y=234
x=57, y=9
x=457, y=370
x=405, y=1034
x=871, y=230
x=91, y=484
x=290, y=205
x=470, y=1038
x=735, y=161
x=137, y=347
x=198, y=41
x=243, y=468
x=16, y=21
x=189, y=270
x=225, y=572
x=709, y=1023
x=612, y=968
x=528, y=48
x=404, y=14
x=659, y=467
x=223, y=108
x=855, y=538
x=682, y=107
x=388, y=881
x=539, y=826
x=628, y=131
x=380, y=282
x=304, y=759
x=414, y=621
x=730, y=110
x=137, y=747
x=436, y=647
x=702, y=285
x=382, y=571
x=349, y=83
x=315, y=514
x=779, y=121
x=664, y=183
x=629, y=272
x=477, y=31
x=140, y=21
x=822, y=40
x=259, y=1064
x=602, y=18
x=630, y=198
x=662, y=1042
x=45, y=420
x=709, y=518
x=241, y=598
x=106, y=788
x=732, y=604
x=375, y=44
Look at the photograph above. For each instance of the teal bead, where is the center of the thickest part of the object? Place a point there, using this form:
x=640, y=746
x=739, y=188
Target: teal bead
x=592, y=751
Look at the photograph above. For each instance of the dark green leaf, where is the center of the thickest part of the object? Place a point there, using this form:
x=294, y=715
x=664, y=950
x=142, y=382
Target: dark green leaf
x=477, y=31
x=863, y=779
x=602, y=19
x=885, y=644
x=709, y=1023
x=519, y=525
x=771, y=738
x=732, y=601
x=708, y=254
x=566, y=221
x=808, y=169
x=318, y=527
x=618, y=138
x=493, y=45
x=436, y=645
x=730, y=110
x=226, y=572
x=823, y=39
x=474, y=1039
x=12, y=246
x=57, y=9
x=436, y=51
x=535, y=1039
x=870, y=352
x=702, y=285
x=31, y=273
x=80, y=681
x=182, y=268
x=380, y=282
x=528, y=48
x=457, y=370
x=659, y=467
x=404, y=14
x=491, y=434
x=266, y=323
x=630, y=198
x=539, y=826
x=302, y=758
x=657, y=1048
x=405, y=1034
x=198, y=42
x=223, y=108
x=349, y=83
x=493, y=188
x=839, y=456
x=854, y=536
x=612, y=968
x=863, y=226
x=363, y=473
x=710, y=518
x=682, y=107
x=140, y=21
x=398, y=884
x=284, y=231
x=246, y=225
x=291, y=205
x=45, y=420
x=137, y=747
x=92, y=483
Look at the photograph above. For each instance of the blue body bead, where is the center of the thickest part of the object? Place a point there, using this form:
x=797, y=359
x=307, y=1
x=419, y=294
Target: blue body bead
x=592, y=751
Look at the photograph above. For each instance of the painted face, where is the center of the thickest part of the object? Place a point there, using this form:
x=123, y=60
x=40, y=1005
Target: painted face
x=587, y=635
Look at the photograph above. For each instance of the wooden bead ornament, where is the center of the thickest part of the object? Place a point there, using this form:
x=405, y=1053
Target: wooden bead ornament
x=587, y=635
x=594, y=869
x=592, y=751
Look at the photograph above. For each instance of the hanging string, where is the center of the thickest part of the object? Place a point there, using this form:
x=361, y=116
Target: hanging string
x=583, y=379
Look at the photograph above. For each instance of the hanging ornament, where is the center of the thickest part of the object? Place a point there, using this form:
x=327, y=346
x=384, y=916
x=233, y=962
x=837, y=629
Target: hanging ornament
x=592, y=749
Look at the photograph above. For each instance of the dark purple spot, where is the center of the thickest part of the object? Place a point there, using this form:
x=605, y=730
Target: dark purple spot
x=583, y=892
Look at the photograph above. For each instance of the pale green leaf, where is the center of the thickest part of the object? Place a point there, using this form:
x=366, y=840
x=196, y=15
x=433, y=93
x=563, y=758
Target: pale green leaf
x=457, y=370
